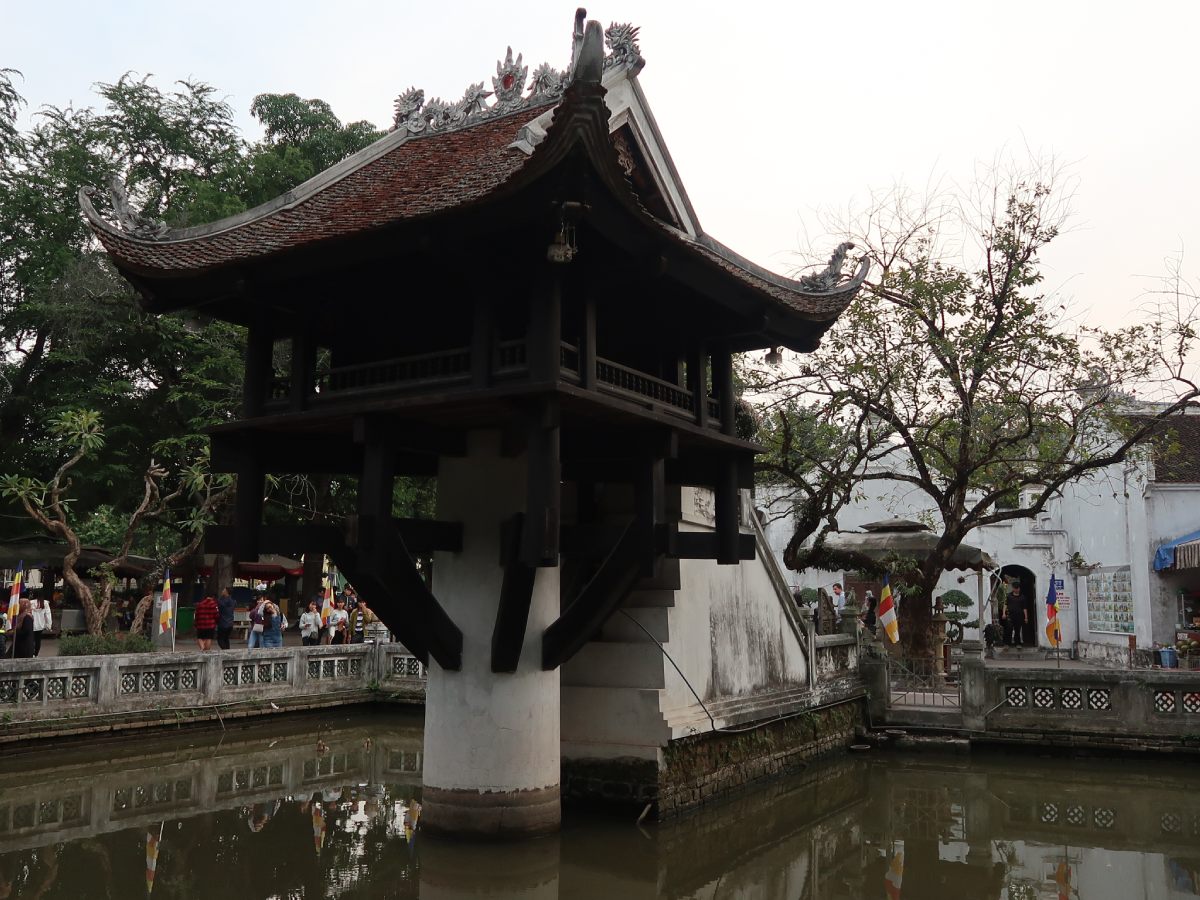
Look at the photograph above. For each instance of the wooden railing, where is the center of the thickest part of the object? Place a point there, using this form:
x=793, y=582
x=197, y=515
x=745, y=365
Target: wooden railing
x=508, y=359
x=622, y=380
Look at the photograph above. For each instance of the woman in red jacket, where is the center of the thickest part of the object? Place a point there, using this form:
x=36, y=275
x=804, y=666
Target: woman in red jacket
x=206, y=622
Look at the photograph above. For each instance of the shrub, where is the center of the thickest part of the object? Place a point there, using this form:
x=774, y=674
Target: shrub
x=107, y=643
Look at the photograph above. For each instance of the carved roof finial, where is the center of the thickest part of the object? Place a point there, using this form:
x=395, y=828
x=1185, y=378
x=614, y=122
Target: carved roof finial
x=829, y=277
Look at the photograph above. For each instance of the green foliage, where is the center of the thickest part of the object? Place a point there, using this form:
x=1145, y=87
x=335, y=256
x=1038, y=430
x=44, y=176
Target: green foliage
x=72, y=334
x=103, y=644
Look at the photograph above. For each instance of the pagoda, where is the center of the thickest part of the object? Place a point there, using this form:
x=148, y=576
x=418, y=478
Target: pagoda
x=512, y=293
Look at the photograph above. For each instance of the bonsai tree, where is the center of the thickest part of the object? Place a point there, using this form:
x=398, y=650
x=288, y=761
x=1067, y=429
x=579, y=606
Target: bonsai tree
x=956, y=604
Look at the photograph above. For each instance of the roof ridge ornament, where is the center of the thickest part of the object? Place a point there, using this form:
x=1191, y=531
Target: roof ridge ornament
x=413, y=115
x=133, y=223
x=829, y=277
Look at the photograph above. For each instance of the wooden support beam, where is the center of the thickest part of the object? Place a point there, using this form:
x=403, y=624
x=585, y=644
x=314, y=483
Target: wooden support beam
x=704, y=545
x=600, y=597
x=707, y=469
x=309, y=454
x=516, y=595
x=543, y=487
x=727, y=500
x=421, y=536
x=257, y=380
x=697, y=382
x=403, y=436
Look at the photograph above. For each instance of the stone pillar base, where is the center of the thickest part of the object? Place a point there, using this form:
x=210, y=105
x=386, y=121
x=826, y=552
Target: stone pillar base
x=496, y=815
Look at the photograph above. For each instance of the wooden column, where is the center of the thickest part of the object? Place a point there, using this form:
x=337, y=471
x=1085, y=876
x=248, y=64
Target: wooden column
x=304, y=371
x=482, y=330
x=257, y=383
x=650, y=510
x=697, y=382
x=375, y=482
x=248, y=504
x=587, y=342
x=543, y=348
x=543, y=487
x=723, y=384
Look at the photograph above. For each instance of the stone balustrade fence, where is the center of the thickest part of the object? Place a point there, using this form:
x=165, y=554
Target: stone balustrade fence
x=77, y=690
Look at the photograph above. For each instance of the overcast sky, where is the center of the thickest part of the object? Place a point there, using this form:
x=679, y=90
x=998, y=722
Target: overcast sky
x=773, y=111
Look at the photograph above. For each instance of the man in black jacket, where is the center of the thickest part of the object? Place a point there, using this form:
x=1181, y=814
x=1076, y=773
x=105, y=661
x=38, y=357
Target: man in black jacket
x=1018, y=615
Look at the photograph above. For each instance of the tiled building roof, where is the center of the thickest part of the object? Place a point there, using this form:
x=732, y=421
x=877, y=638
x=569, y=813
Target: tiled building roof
x=1176, y=449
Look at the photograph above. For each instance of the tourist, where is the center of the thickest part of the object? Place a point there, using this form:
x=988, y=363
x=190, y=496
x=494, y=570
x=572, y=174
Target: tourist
x=350, y=597
x=207, y=616
x=274, y=622
x=3, y=629
x=1016, y=616
x=225, y=607
x=310, y=625
x=839, y=602
x=360, y=618
x=24, y=643
x=43, y=621
x=338, y=622
x=254, y=635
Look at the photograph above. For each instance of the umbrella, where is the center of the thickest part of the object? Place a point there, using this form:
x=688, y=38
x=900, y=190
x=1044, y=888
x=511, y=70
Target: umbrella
x=904, y=537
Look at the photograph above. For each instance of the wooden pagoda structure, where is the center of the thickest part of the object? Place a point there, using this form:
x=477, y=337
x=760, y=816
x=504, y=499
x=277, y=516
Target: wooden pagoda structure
x=516, y=297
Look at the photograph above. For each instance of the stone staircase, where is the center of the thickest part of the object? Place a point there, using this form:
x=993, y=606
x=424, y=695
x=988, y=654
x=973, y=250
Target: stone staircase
x=611, y=688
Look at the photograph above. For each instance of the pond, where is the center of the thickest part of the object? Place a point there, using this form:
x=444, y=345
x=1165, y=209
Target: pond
x=330, y=807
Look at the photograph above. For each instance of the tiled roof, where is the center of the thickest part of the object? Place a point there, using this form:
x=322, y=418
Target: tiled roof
x=417, y=177
x=404, y=177
x=1176, y=449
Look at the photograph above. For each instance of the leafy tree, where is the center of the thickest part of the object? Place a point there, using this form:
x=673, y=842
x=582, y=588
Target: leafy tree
x=81, y=434
x=962, y=380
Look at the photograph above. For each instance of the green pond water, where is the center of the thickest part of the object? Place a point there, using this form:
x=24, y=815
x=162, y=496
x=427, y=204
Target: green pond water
x=330, y=807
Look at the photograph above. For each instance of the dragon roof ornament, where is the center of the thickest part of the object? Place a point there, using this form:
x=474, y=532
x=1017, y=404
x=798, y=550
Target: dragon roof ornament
x=831, y=276
x=131, y=222
x=416, y=116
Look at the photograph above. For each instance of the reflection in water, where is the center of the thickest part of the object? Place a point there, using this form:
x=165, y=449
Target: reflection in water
x=302, y=810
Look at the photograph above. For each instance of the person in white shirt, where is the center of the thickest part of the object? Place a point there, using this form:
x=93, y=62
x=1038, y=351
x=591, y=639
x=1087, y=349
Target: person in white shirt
x=310, y=625
x=43, y=621
x=339, y=623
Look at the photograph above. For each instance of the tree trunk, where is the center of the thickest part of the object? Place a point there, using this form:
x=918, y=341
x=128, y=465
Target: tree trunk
x=220, y=577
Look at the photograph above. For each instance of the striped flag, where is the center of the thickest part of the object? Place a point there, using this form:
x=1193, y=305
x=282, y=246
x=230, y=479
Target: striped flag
x=887, y=613
x=326, y=603
x=1053, y=628
x=166, y=609
x=894, y=879
x=152, y=842
x=14, y=597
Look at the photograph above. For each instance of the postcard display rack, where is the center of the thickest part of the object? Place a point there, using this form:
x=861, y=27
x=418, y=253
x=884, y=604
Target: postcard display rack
x=1110, y=601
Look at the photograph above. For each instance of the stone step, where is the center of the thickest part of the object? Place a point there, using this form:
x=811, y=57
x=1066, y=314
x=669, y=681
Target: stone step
x=667, y=578
x=615, y=664
x=649, y=597
x=653, y=619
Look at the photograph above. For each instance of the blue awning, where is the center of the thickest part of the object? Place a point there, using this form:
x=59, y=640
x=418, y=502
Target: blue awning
x=1164, y=556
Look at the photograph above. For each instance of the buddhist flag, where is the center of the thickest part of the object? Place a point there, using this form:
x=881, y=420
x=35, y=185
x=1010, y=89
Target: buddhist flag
x=14, y=597
x=1053, y=629
x=894, y=878
x=152, y=842
x=166, y=608
x=326, y=603
x=887, y=613
x=1062, y=880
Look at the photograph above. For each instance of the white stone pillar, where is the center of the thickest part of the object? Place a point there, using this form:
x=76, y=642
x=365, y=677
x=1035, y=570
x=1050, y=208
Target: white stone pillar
x=491, y=765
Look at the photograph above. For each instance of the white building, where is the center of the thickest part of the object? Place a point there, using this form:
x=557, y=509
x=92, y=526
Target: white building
x=1098, y=539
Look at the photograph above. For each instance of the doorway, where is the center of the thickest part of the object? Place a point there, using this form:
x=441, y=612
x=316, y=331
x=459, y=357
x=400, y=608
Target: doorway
x=1028, y=582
